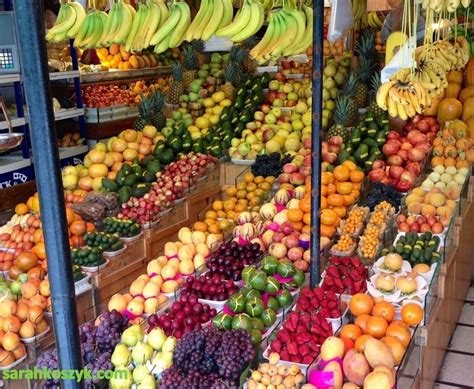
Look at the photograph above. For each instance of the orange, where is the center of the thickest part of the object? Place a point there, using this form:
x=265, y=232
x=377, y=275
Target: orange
x=231, y=191
x=412, y=314
x=307, y=218
x=305, y=204
x=328, y=217
x=298, y=226
x=350, y=331
x=336, y=200
x=210, y=221
x=349, y=199
x=331, y=189
x=21, y=209
x=400, y=332
x=361, y=321
x=214, y=229
x=341, y=173
x=210, y=214
x=229, y=205
x=340, y=211
x=377, y=327
x=69, y=216
x=324, y=202
x=344, y=188
x=348, y=344
x=359, y=344
x=356, y=176
x=200, y=226
x=328, y=231
x=350, y=165
x=384, y=309
x=218, y=205
x=295, y=215
x=40, y=250
x=361, y=303
x=249, y=177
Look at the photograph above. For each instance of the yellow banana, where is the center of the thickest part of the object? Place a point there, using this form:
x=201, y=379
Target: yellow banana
x=402, y=114
x=382, y=94
x=392, y=108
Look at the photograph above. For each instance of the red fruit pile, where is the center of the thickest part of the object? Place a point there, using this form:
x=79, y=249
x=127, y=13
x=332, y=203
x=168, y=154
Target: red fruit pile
x=301, y=337
x=184, y=316
x=346, y=275
x=323, y=301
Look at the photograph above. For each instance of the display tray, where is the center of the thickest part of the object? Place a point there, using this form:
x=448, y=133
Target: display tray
x=16, y=363
x=131, y=238
x=94, y=269
x=150, y=225
x=242, y=162
x=36, y=337
x=114, y=253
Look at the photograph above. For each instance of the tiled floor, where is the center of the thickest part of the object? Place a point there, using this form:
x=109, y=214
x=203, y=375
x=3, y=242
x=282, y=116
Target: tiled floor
x=457, y=369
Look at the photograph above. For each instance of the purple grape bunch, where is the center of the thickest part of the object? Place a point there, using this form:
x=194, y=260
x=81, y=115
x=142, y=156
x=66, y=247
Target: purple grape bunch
x=209, y=358
x=230, y=259
x=97, y=345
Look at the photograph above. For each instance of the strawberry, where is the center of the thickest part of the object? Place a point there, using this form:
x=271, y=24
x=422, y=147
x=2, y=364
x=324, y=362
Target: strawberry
x=324, y=302
x=319, y=293
x=294, y=318
x=292, y=348
x=315, y=303
x=307, y=359
x=305, y=320
x=355, y=275
x=284, y=355
x=345, y=261
x=331, y=295
x=275, y=346
x=304, y=350
x=316, y=329
x=332, y=304
x=300, y=339
x=356, y=262
x=332, y=271
x=306, y=292
x=283, y=335
x=313, y=346
x=303, y=303
x=344, y=272
x=335, y=260
x=360, y=286
x=329, y=280
x=295, y=359
x=314, y=353
x=334, y=313
x=326, y=326
x=300, y=329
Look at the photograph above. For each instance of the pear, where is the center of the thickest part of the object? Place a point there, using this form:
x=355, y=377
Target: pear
x=141, y=353
x=122, y=379
x=161, y=362
x=148, y=382
x=156, y=338
x=132, y=335
x=169, y=344
x=121, y=356
x=139, y=373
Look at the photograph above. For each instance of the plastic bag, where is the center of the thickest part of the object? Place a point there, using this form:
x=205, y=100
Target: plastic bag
x=89, y=211
x=341, y=19
x=109, y=200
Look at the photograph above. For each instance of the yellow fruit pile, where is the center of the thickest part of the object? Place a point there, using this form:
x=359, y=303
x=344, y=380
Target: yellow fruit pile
x=355, y=220
x=344, y=244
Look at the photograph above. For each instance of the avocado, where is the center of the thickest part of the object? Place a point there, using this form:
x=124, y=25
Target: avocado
x=153, y=166
x=109, y=185
x=130, y=180
x=166, y=156
x=140, y=190
x=125, y=192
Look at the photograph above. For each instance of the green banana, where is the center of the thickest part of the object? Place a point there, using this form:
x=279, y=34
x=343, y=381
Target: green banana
x=177, y=36
x=240, y=21
x=216, y=17
x=80, y=16
x=254, y=24
x=189, y=36
x=168, y=26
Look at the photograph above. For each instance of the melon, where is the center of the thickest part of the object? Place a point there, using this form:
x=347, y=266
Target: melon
x=96, y=156
x=449, y=109
x=98, y=170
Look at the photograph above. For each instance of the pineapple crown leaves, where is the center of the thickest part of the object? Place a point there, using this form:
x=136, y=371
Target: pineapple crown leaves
x=158, y=101
x=229, y=73
x=177, y=72
x=375, y=83
x=350, y=85
x=197, y=45
x=343, y=104
x=190, y=58
x=248, y=43
x=366, y=69
x=236, y=54
x=145, y=106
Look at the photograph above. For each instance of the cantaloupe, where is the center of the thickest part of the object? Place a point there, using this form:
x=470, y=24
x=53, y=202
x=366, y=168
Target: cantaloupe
x=395, y=40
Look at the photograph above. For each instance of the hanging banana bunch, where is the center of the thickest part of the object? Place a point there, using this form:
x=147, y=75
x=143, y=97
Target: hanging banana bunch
x=212, y=15
x=68, y=23
x=248, y=20
x=289, y=32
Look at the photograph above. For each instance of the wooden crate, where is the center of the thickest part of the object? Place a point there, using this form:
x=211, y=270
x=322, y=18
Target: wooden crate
x=229, y=172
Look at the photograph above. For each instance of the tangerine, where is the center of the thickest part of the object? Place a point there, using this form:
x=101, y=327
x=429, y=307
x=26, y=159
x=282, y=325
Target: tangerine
x=359, y=344
x=361, y=321
x=377, y=327
x=361, y=303
x=384, y=309
x=350, y=331
x=412, y=314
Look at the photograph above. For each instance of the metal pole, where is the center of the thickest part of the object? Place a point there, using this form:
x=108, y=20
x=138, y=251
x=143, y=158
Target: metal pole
x=316, y=110
x=30, y=21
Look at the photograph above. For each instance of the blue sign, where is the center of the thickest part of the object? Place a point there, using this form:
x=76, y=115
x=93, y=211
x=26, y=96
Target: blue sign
x=17, y=177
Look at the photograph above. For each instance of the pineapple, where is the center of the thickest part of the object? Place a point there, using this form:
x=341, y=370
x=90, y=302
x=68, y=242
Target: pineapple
x=157, y=118
x=190, y=65
x=177, y=87
x=249, y=64
x=342, y=120
x=375, y=83
x=228, y=88
x=236, y=56
x=367, y=66
x=144, y=113
x=366, y=69
x=349, y=90
x=198, y=46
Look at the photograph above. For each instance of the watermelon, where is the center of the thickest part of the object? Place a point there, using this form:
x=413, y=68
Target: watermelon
x=258, y=280
x=268, y=317
x=270, y=265
x=236, y=303
x=254, y=307
x=241, y=322
x=273, y=286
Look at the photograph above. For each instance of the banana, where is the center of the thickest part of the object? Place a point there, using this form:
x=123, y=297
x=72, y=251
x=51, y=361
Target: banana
x=91, y=30
x=163, y=45
x=288, y=37
x=392, y=108
x=168, y=26
x=213, y=24
x=402, y=113
x=267, y=37
x=228, y=14
x=382, y=94
x=138, y=21
x=154, y=22
x=177, y=36
x=139, y=38
x=279, y=29
x=300, y=20
x=415, y=101
x=125, y=22
x=196, y=21
x=396, y=95
x=205, y=20
x=80, y=16
x=308, y=34
x=254, y=24
x=240, y=21
x=410, y=110
x=67, y=21
x=85, y=27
